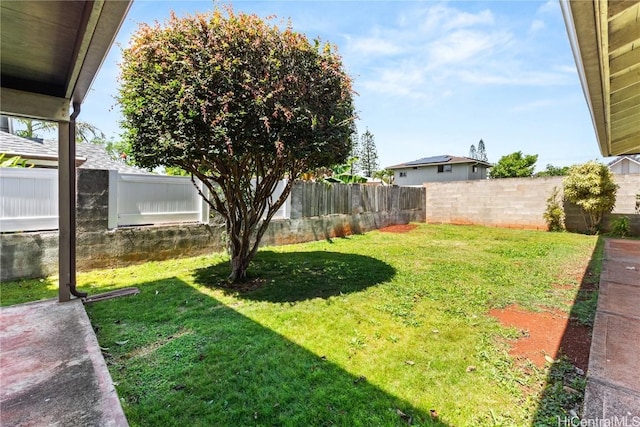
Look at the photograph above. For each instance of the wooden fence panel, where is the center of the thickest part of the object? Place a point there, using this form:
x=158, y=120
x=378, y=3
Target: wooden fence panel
x=319, y=199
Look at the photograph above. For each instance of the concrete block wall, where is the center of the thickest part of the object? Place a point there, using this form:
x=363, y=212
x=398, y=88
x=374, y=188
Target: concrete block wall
x=509, y=202
x=28, y=255
x=92, y=200
x=132, y=245
x=634, y=223
x=626, y=201
x=35, y=254
x=518, y=203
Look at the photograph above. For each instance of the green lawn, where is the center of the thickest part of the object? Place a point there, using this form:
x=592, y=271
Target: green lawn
x=368, y=330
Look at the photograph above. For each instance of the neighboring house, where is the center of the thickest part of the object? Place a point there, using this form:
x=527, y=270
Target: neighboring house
x=625, y=165
x=439, y=168
x=44, y=153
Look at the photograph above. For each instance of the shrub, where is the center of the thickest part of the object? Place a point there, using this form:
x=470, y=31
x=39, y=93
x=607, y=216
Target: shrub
x=620, y=227
x=554, y=214
x=592, y=187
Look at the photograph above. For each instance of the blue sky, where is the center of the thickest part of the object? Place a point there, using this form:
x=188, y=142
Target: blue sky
x=432, y=77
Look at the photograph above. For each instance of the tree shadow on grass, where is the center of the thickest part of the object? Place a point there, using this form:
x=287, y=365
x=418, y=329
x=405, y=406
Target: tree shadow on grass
x=299, y=276
x=180, y=357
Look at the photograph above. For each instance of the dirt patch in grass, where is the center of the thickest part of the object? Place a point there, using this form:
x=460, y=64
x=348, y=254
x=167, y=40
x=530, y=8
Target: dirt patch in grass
x=399, y=228
x=555, y=333
x=546, y=333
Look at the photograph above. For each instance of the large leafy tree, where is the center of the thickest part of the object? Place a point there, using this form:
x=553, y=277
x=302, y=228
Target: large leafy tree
x=368, y=154
x=240, y=104
x=514, y=165
x=593, y=188
x=552, y=170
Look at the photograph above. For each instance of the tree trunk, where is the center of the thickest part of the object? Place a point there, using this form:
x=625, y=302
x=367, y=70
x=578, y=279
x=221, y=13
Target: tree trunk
x=239, y=250
x=239, y=266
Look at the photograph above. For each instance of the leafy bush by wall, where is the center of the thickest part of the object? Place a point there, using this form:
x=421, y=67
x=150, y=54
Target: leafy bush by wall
x=592, y=187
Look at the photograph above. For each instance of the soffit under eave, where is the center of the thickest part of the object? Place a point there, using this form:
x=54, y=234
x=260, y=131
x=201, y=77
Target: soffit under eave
x=580, y=19
x=102, y=27
x=97, y=26
x=623, y=29
x=605, y=37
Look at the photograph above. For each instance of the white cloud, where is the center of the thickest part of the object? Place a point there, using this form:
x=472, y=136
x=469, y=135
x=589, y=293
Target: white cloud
x=374, y=46
x=536, y=26
x=571, y=69
x=463, y=45
x=445, y=18
x=406, y=80
x=511, y=77
x=464, y=20
x=550, y=6
x=429, y=53
x=535, y=105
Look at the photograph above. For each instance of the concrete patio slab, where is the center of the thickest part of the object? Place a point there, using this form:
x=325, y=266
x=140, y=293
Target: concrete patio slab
x=617, y=271
x=614, y=359
x=613, y=381
x=619, y=299
x=52, y=372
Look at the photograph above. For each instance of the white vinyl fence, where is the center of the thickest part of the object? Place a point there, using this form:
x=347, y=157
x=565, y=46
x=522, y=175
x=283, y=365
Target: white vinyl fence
x=285, y=210
x=157, y=199
x=136, y=199
x=28, y=199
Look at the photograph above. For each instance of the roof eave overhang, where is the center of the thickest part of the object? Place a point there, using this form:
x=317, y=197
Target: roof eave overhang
x=605, y=39
x=41, y=159
x=101, y=22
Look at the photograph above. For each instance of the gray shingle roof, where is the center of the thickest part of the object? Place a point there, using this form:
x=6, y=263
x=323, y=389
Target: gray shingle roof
x=634, y=159
x=12, y=144
x=98, y=158
x=94, y=156
x=439, y=160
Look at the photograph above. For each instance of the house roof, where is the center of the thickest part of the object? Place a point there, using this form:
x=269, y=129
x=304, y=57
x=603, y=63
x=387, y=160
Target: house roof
x=16, y=146
x=605, y=39
x=88, y=156
x=51, y=52
x=617, y=160
x=439, y=160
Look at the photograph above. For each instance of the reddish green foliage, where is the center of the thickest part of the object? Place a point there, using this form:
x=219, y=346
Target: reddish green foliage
x=230, y=98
